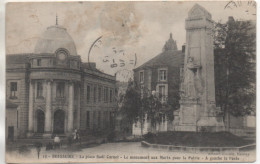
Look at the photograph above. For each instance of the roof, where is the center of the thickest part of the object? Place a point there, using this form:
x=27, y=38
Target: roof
x=17, y=58
x=55, y=38
x=166, y=58
x=91, y=66
x=10, y=104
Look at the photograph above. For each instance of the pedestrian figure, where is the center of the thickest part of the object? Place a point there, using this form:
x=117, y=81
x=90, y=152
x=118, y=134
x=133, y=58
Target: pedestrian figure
x=38, y=146
x=78, y=138
x=75, y=135
x=57, y=141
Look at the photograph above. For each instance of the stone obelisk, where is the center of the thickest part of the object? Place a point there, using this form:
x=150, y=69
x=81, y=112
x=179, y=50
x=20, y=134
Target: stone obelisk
x=198, y=111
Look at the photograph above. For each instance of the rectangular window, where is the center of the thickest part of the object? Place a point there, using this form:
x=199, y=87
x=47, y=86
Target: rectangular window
x=39, y=90
x=106, y=94
x=111, y=95
x=60, y=89
x=141, y=77
x=13, y=90
x=110, y=119
x=88, y=94
x=94, y=119
x=105, y=119
x=99, y=94
x=142, y=90
x=99, y=119
x=39, y=62
x=88, y=120
x=95, y=94
x=162, y=75
x=162, y=93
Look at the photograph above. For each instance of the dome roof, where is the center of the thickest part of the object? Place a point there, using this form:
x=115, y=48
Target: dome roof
x=170, y=44
x=54, y=38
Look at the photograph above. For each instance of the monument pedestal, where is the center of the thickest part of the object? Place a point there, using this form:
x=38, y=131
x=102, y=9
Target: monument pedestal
x=193, y=117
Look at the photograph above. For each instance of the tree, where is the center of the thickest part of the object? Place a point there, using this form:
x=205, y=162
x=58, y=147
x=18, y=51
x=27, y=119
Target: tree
x=235, y=46
x=152, y=106
x=130, y=104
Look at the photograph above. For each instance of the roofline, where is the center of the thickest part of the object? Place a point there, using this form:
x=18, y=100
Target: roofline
x=142, y=66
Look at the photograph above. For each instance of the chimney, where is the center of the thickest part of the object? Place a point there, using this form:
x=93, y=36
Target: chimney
x=89, y=65
x=183, y=48
x=92, y=64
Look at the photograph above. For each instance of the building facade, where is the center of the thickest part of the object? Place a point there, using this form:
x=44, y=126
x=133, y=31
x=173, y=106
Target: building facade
x=55, y=91
x=162, y=74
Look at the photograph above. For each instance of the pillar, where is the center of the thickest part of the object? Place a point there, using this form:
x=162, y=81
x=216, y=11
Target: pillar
x=198, y=111
x=30, y=112
x=47, y=122
x=70, y=107
x=78, y=113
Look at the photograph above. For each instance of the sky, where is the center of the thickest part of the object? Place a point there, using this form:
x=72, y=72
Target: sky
x=132, y=32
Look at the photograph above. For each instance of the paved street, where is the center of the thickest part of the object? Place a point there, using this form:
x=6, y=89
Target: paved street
x=123, y=151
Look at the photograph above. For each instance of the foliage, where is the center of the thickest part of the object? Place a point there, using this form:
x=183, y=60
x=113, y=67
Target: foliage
x=140, y=104
x=235, y=74
x=131, y=104
x=152, y=107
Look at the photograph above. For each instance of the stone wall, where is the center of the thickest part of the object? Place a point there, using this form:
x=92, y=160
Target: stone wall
x=22, y=98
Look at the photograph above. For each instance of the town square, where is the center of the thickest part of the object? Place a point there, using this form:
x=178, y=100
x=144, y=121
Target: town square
x=130, y=82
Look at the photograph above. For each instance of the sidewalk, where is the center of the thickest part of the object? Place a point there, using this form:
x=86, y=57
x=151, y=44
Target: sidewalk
x=29, y=143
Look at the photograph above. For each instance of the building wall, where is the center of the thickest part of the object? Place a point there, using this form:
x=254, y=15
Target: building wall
x=99, y=111
x=151, y=81
x=11, y=121
x=19, y=74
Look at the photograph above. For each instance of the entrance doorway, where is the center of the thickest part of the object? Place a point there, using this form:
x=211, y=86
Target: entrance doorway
x=40, y=121
x=10, y=133
x=59, y=118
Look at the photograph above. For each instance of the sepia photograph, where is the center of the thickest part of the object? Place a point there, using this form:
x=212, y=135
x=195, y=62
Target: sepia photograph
x=130, y=81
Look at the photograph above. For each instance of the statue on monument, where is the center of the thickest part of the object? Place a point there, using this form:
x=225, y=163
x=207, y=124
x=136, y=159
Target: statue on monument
x=192, y=82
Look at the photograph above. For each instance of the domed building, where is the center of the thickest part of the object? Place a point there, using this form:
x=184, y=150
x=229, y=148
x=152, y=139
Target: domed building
x=55, y=92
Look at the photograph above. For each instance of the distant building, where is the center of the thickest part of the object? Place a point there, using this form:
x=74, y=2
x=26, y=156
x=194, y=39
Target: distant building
x=162, y=74
x=53, y=92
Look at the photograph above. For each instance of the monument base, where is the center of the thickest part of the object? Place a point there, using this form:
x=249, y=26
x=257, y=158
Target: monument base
x=190, y=117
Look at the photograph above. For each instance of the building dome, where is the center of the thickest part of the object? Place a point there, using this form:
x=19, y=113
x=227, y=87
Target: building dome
x=54, y=38
x=170, y=44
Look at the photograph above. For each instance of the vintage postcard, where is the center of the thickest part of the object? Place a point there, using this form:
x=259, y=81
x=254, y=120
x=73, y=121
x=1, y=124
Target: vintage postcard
x=162, y=81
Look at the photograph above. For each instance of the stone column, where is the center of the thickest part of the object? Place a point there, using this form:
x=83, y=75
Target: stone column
x=48, y=121
x=30, y=112
x=70, y=107
x=78, y=113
